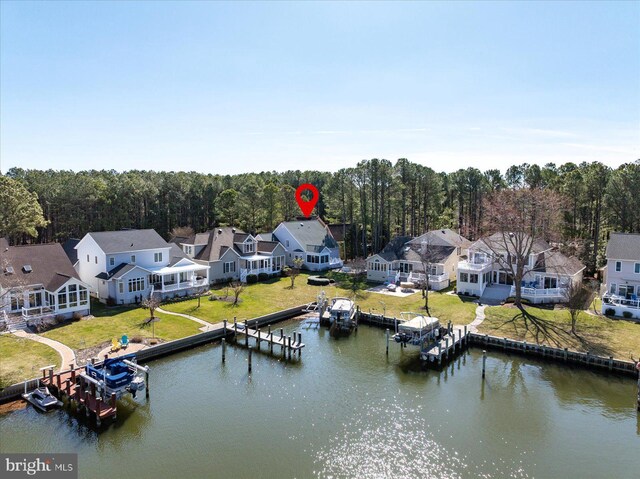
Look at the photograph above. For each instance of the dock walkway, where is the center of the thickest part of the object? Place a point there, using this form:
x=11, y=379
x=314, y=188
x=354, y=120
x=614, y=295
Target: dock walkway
x=293, y=344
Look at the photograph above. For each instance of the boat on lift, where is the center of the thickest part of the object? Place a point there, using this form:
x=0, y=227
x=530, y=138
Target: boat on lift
x=342, y=312
x=117, y=375
x=42, y=399
x=415, y=329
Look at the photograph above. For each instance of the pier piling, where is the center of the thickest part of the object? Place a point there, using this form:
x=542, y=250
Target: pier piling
x=246, y=336
x=146, y=382
x=224, y=345
x=484, y=362
x=258, y=338
x=249, y=349
x=387, y=341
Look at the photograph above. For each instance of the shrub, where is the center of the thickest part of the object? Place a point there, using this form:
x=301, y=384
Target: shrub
x=76, y=316
x=627, y=314
x=213, y=298
x=252, y=278
x=136, y=339
x=318, y=281
x=263, y=276
x=609, y=312
x=111, y=301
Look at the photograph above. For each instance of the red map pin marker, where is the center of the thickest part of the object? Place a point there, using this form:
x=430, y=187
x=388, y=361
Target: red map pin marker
x=307, y=206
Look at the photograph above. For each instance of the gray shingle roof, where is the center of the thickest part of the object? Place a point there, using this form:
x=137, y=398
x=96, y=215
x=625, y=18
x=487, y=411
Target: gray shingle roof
x=624, y=246
x=401, y=248
x=443, y=237
x=310, y=234
x=556, y=262
x=69, y=248
x=496, y=242
x=128, y=240
x=49, y=263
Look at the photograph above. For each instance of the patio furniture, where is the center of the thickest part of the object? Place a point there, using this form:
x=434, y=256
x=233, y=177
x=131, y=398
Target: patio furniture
x=124, y=342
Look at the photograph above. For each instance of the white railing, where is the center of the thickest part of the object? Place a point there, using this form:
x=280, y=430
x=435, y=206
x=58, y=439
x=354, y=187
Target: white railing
x=620, y=301
x=194, y=283
x=335, y=261
x=37, y=311
x=473, y=266
x=543, y=292
x=438, y=278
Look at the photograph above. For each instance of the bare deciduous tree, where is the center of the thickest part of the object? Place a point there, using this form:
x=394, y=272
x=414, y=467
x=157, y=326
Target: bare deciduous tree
x=576, y=296
x=521, y=221
x=151, y=303
x=294, y=271
x=237, y=287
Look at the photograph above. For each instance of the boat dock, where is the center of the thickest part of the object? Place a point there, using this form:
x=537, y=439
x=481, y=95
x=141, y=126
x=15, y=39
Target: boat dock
x=76, y=386
x=290, y=344
x=451, y=341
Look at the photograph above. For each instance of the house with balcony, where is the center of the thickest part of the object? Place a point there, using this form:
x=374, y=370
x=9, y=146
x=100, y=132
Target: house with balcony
x=403, y=260
x=232, y=254
x=39, y=282
x=622, y=275
x=130, y=265
x=486, y=272
x=311, y=240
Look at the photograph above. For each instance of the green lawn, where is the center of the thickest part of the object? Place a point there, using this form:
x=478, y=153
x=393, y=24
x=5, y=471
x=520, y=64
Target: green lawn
x=21, y=359
x=112, y=323
x=596, y=334
x=274, y=295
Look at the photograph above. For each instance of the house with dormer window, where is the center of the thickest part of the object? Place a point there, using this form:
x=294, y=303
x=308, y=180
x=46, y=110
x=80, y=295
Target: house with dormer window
x=312, y=241
x=622, y=275
x=232, y=254
x=39, y=282
x=130, y=265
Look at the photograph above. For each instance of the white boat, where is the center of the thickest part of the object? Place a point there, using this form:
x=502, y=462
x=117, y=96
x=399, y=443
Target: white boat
x=42, y=399
x=415, y=329
x=342, y=312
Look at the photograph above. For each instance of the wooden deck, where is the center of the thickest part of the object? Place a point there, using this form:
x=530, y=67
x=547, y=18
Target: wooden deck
x=451, y=342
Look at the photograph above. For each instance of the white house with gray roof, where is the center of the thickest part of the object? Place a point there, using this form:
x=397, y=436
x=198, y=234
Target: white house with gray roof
x=485, y=272
x=622, y=275
x=128, y=266
x=402, y=259
x=39, y=282
x=311, y=240
x=232, y=254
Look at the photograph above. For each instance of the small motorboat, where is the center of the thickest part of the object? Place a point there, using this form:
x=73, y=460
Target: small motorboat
x=42, y=399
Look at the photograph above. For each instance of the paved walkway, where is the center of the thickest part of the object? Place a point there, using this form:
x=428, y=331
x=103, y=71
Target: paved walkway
x=473, y=326
x=65, y=352
x=206, y=326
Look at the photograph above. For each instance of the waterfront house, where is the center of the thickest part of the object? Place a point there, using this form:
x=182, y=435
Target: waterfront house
x=130, y=265
x=622, y=275
x=39, y=282
x=485, y=272
x=232, y=254
x=311, y=240
x=402, y=259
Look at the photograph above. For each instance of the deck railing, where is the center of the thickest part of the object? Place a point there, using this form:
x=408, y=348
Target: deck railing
x=620, y=301
x=543, y=292
x=473, y=266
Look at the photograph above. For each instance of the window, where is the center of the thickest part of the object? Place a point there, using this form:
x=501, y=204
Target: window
x=121, y=287
x=136, y=284
x=464, y=278
x=188, y=249
x=229, y=267
x=133, y=258
x=637, y=268
x=157, y=257
x=625, y=291
x=73, y=295
x=83, y=295
x=618, y=265
x=96, y=259
x=324, y=259
x=550, y=282
x=112, y=261
x=287, y=243
x=88, y=258
x=613, y=288
x=473, y=278
x=62, y=298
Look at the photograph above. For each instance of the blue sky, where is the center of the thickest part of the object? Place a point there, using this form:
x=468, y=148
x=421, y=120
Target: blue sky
x=238, y=87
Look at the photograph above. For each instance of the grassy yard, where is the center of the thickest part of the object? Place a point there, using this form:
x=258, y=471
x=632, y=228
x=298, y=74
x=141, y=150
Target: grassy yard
x=22, y=358
x=266, y=297
x=597, y=334
x=112, y=323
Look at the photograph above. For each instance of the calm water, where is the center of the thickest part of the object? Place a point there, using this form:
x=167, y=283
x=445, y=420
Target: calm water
x=346, y=410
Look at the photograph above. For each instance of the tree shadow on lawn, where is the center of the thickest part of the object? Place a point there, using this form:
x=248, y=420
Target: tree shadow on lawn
x=554, y=334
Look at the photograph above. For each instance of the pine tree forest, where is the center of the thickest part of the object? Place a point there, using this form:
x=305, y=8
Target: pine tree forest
x=375, y=201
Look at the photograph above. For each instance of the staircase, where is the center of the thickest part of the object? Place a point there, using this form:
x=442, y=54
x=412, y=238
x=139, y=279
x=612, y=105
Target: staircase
x=15, y=322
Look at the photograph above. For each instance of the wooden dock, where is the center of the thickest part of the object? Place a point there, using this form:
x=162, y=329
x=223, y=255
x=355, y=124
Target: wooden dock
x=290, y=344
x=451, y=341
